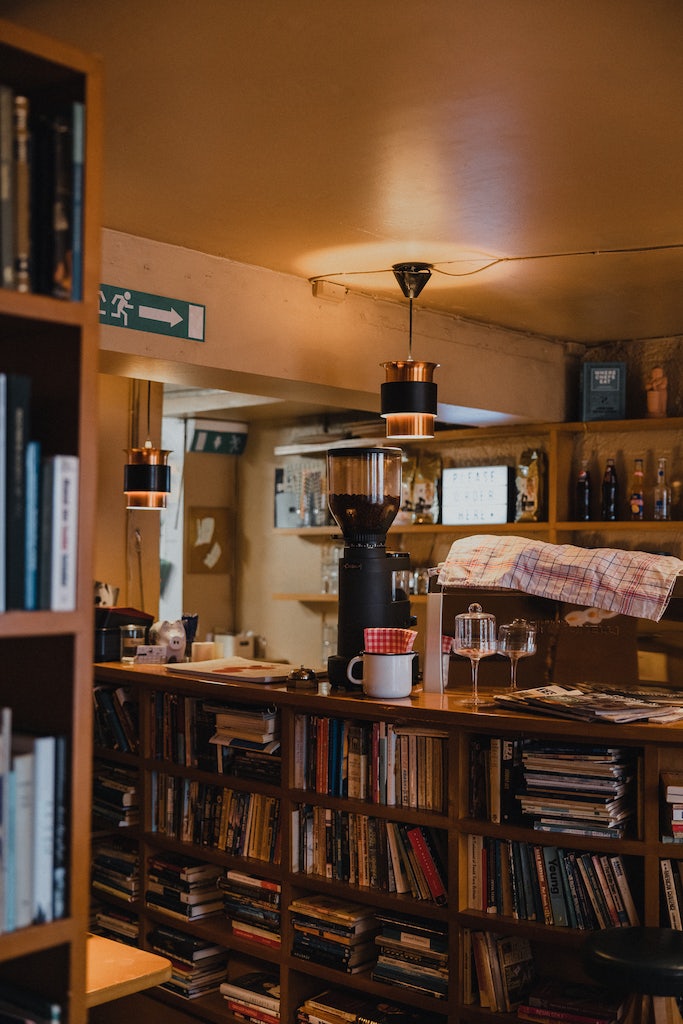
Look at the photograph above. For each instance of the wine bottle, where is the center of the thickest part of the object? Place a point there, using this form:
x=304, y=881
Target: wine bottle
x=583, y=493
x=637, y=498
x=662, y=493
x=610, y=492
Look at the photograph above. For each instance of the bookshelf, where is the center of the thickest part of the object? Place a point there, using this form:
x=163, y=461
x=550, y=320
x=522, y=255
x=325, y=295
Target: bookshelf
x=309, y=788
x=47, y=655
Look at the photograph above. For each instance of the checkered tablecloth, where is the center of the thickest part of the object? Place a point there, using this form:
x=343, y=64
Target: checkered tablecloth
x=624, y=582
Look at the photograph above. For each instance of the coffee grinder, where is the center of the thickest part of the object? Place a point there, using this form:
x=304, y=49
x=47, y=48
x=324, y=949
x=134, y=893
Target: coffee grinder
x=364, y=495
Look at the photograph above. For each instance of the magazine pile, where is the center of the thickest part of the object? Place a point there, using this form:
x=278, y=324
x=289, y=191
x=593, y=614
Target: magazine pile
x=586, y=704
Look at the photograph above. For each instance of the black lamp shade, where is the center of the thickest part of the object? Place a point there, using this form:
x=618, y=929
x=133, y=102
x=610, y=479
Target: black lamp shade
x=408, y=396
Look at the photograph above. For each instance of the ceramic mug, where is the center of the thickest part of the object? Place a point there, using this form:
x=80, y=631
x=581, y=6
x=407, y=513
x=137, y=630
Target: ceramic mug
x=384, y=675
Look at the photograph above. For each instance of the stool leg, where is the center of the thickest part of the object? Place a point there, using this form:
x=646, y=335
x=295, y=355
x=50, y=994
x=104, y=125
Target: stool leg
x=637, y=1009
x=665, y=1010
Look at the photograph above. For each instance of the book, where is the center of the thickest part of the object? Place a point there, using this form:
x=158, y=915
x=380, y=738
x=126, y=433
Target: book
x=59, y=532
x=17, y=426
x=420, y=841
x=672, y=786
x=61, y=829
x=20, y=888
x=556, y=893
x=517, y=969
x=22, y=195
x=671, y=903
x=32, y=527
x=262, y=988
x=6, y=187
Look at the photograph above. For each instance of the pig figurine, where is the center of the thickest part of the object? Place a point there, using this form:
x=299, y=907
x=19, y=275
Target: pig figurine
x=172, y=634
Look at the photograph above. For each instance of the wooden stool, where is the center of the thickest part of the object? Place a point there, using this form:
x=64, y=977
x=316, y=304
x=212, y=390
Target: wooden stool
x=643, y=964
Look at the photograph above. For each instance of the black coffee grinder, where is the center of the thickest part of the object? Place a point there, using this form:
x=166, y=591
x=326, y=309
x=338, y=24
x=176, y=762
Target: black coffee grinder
x=364, y=495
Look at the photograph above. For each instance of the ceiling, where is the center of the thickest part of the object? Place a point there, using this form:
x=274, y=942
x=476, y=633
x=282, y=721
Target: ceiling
x=530, y=150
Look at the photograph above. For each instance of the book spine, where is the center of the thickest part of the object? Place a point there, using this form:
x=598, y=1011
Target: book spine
x=18, y=428
x=670, y=896
x=621, y=878
x=495, y=762
x=6, y=187
x=425, y=855
x=59, y=533
x=22, y=196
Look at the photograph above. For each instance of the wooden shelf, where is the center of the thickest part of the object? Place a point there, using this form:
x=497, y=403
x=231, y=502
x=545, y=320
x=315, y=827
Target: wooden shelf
x=115, y=970
x=47, y=656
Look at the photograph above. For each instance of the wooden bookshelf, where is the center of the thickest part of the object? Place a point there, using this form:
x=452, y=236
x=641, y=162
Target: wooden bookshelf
x=47, y=656
x=656, y=747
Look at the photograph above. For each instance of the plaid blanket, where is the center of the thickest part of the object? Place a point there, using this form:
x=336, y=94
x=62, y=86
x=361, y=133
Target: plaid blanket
x=624, y=582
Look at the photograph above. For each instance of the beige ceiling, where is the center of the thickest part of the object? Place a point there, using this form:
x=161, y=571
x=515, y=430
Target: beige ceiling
x=532, y=150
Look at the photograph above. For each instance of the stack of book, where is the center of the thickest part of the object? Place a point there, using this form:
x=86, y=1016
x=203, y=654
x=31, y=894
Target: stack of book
x=116, y=924
x=569, y=1003
x=38, y=510
x=245, y=727
x=182, y=886
x=341, y=1006
x=364, y=850
x=413, y=953
x=672, y=809
x=115, y=795
x=253, y=906
x=549, y=884
x=41, y=204
x=579, y=788
x=33, y=816
x=254, y=996
x=396, y=765
x=334, y=932
x=198, y=966
x=503, y=967
x=116, y=868
x=115, y=721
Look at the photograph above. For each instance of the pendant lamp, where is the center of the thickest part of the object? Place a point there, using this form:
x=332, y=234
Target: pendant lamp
x=146, y=476
x=408, y=395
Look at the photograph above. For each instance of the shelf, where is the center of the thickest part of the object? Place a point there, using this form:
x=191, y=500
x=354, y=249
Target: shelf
x=114, y=970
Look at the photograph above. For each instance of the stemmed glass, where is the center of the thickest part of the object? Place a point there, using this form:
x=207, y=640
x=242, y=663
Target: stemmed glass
x=475, y=638
x=516, y=639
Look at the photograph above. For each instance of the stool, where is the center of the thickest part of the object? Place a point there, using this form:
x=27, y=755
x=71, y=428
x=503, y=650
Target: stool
x=643, y=964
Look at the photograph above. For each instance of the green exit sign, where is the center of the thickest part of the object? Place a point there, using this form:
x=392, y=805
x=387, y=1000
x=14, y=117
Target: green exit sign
x=156, y=314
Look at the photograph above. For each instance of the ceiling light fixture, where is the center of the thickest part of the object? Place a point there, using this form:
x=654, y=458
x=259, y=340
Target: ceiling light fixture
x=408, y=395
x=147, y=477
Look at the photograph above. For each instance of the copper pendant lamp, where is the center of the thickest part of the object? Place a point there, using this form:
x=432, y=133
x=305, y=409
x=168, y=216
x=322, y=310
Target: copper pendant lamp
x=146, y=476
x=408, y=395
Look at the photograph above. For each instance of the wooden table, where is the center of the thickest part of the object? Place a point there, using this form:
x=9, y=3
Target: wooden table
x=114, y=969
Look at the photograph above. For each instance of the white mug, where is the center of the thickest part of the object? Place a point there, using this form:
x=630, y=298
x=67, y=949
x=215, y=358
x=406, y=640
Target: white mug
x=384, y=675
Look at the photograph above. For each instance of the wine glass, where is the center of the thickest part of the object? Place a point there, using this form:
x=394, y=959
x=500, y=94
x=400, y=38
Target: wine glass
x=475, y=638
x=516, y=639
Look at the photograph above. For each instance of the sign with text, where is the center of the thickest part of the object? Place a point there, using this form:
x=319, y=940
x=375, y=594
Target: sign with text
x=476, y=494
x=156, y=314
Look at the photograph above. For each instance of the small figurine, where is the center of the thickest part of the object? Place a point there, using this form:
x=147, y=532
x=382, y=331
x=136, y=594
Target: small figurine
x=656, y=392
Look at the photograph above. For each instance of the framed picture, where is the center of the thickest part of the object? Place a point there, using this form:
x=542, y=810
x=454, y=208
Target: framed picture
x=208, y=538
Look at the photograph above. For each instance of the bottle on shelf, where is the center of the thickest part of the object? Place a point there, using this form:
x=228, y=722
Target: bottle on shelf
x=583, y=493
x=637, y=496
x=610, y=492
x=662, y=493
